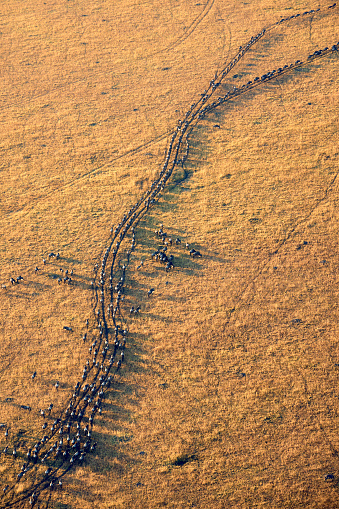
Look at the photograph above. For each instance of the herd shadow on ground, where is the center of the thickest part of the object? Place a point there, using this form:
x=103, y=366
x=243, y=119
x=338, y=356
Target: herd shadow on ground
x=109, y=444
x=109, y=431
x=114, y=410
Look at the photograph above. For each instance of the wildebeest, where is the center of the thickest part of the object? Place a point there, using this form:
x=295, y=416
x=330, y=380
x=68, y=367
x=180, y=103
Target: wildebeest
x=195, y=253
x=169, y=266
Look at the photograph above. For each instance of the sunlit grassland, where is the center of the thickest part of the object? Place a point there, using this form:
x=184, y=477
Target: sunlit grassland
x=228, y=397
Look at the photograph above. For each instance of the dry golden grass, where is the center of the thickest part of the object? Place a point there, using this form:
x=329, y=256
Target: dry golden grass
x=228, y=398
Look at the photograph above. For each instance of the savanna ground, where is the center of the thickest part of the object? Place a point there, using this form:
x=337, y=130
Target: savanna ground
x=228, y=397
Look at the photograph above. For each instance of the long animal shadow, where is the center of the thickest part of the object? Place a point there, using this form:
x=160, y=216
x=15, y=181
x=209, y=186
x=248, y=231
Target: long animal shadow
x=111, y=444
x=108, y=443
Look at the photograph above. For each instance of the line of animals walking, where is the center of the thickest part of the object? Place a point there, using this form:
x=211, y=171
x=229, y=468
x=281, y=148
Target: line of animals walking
x=67, y=437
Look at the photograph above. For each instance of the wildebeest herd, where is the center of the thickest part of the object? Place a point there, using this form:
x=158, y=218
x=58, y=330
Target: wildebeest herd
x=66, y=437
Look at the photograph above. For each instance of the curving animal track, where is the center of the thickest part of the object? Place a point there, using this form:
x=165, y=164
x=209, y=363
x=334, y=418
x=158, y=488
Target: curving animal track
x=195, y=23
x=69, y=439
x=73, y=181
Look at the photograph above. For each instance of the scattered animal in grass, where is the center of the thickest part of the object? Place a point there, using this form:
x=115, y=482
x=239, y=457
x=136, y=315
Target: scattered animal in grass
x=195, y=253
x=75, y=412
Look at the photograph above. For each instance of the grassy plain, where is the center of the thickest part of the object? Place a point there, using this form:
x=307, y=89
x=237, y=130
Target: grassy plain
x=229, y=397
